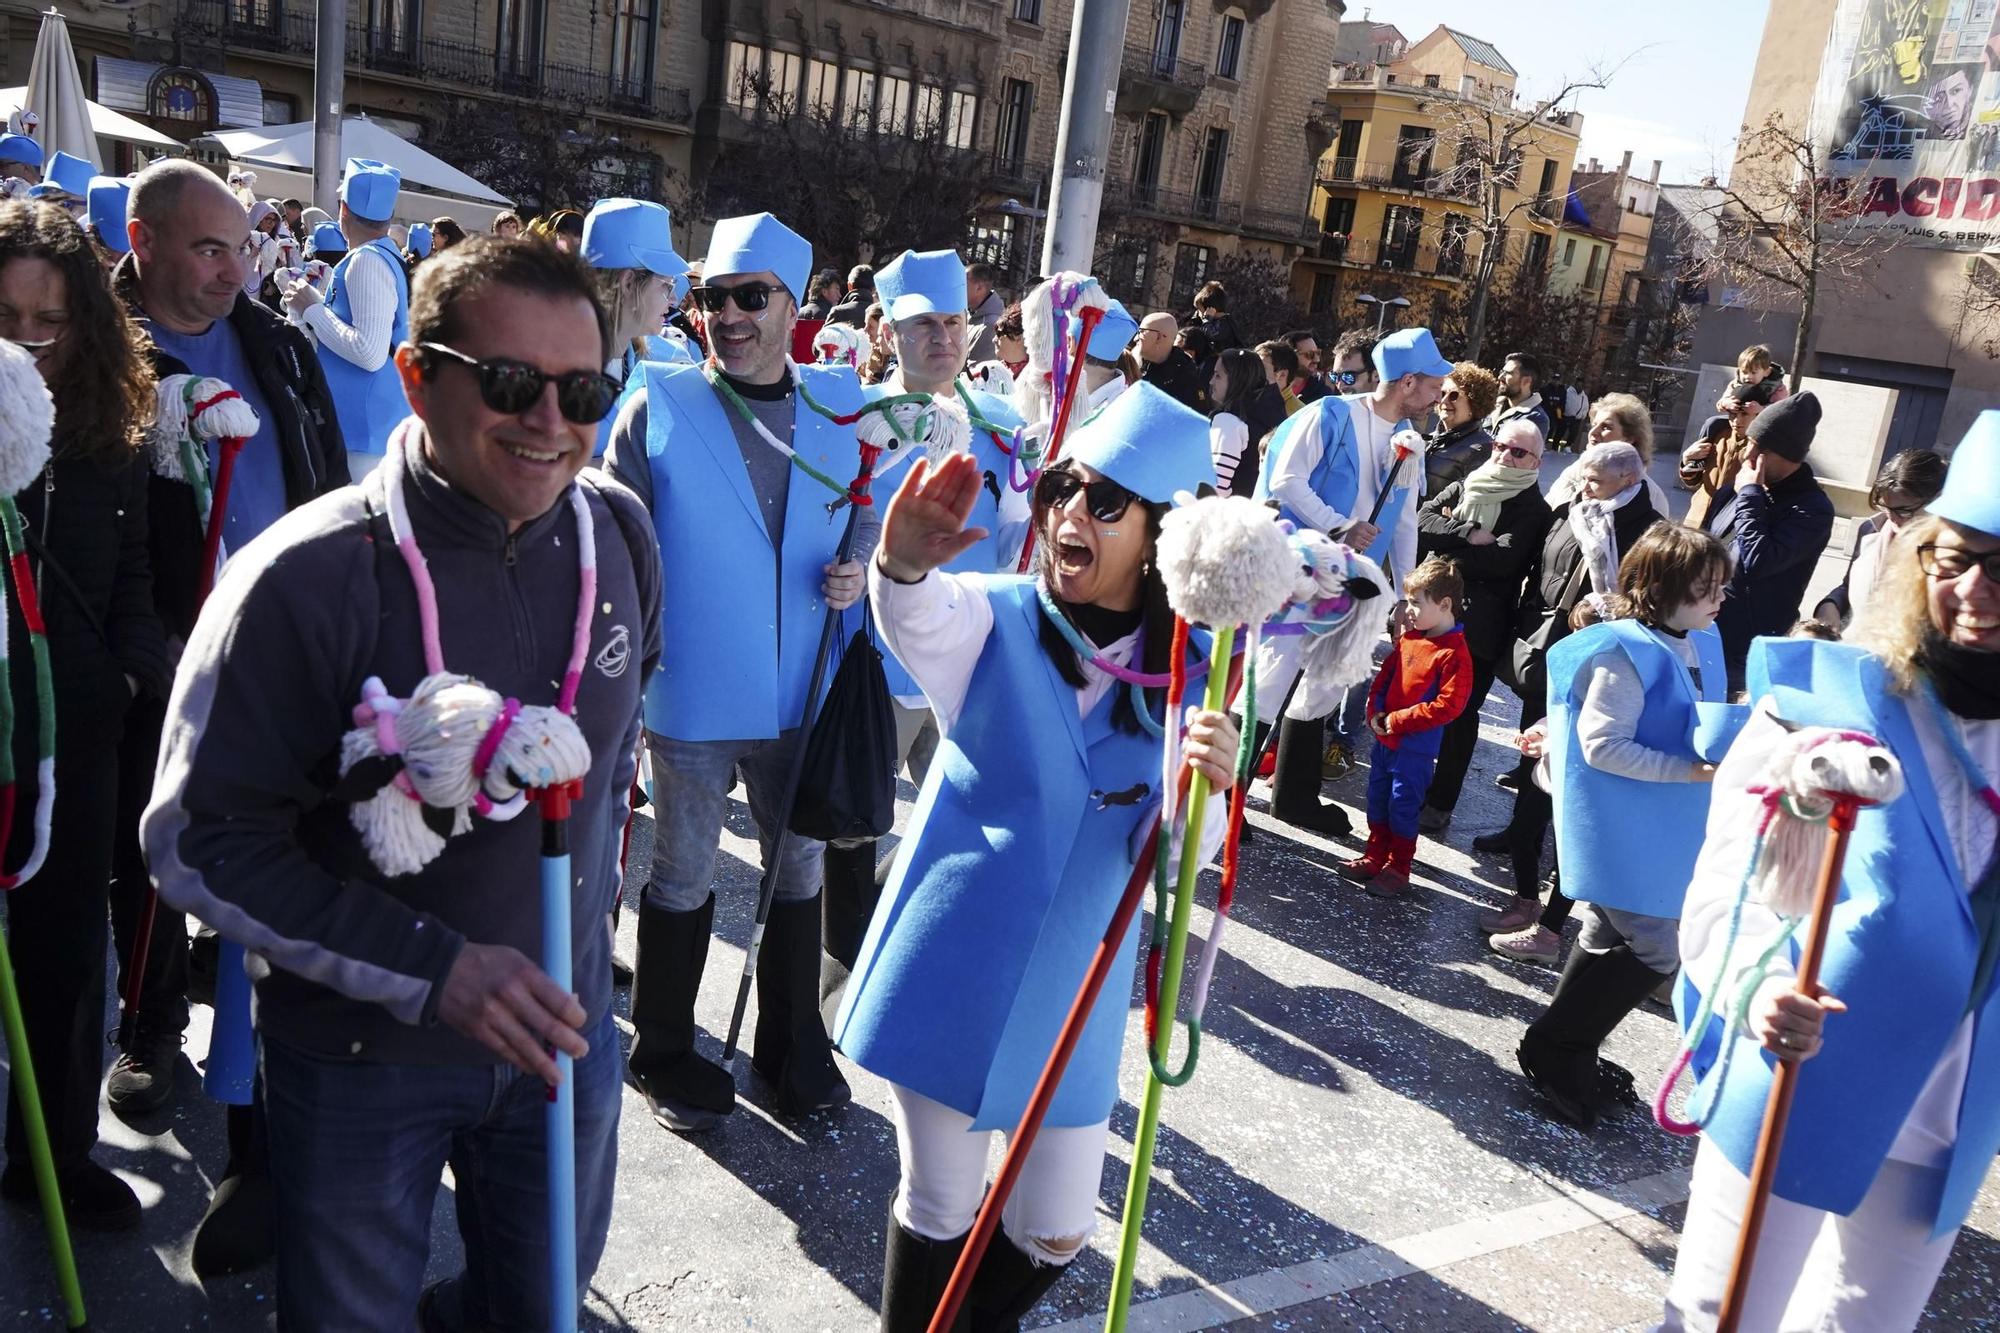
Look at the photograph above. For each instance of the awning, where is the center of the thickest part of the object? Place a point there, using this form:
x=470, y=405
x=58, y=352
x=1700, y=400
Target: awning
x=291, y=147
x=123, y=85
x=104, y=122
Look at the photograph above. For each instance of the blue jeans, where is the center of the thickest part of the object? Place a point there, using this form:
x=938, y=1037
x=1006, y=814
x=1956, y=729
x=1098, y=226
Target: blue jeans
x=690, y=800
x=357, y=1152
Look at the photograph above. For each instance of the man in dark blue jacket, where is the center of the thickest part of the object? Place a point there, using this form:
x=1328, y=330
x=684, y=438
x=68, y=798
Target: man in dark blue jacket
x=1777, y=524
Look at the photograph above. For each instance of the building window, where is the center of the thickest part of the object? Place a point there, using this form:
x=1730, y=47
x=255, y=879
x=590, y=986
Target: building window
x=1191, y=266
x=784, y=69
x=1152, y=149
x=1431, y=81
x=1028, y=11
x=860, y=100
x=892, y=113
x=1167, y=35
x=1413, y=156
x=928, y=118
x=1538, y=251
x=392, y=26
x=253, y=13
x=1338, y=220
x=743, y=77
x=962, y=128
x=1017, y=108
x=280, y=108
x=1402, y=230
x=1325, y=293
x=518, y=48
x=1593, y=273
x=635, y=30
x=1229, y=46
x=1348, y=149
x=1214, y=161
x=823, y=90
x=181, y=95
x=990, y=240
x=1452, y=245
x=1569, y=252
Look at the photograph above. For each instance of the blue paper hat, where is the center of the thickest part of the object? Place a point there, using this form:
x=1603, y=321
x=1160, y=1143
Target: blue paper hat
x=1147, y=442
x=1971, y=495
x=1409, y=352
x=20, y=148
x=69, y=173
x=631, y=233
x=107, y=212
x=930, y=283
x=369, y=189
x=756, y=244
x=327, y=240
x=418, y=242
x=1113, y=334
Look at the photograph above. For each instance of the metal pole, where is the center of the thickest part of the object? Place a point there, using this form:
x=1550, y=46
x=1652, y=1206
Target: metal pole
x=329, y=96
x=1083, y=143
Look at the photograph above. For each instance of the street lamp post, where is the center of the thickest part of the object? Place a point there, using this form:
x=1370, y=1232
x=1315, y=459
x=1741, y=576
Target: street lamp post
x=1382, y=307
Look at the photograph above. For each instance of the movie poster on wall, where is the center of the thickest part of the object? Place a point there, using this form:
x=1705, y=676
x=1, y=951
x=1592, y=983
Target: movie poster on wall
x=1908, y=101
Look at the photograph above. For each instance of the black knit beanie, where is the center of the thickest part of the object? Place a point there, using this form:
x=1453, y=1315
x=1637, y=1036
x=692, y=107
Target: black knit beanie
x=1786, y=428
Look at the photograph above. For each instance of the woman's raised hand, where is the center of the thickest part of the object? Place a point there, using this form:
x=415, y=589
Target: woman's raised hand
x=925, y=525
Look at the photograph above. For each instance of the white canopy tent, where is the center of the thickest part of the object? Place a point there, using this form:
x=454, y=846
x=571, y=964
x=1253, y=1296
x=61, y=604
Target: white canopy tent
x=56, y=94
x=104, y=123
x=282, y=157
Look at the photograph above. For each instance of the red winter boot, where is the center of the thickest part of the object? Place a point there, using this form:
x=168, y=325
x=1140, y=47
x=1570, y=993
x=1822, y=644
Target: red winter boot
x=1372, y=859
x=1394, y=881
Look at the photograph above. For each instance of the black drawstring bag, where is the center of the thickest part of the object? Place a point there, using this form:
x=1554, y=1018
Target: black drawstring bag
x=847, y=788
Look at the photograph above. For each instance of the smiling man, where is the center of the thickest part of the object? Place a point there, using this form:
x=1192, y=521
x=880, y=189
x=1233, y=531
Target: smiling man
x=753, y=546
x=404, y=1026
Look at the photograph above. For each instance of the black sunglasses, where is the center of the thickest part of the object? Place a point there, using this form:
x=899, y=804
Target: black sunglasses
x=1106, y=500
x=1952, y=562
x=512, y=387
x=750, y=297
x=1347, y=377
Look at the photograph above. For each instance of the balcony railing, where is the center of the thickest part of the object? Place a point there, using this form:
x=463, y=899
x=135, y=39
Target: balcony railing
x=1019, y=175
x=1174, y=205
x=1423, y=260
x=1166, y=68
x=293, y=32
x=1292, y=226
x=1354, y=173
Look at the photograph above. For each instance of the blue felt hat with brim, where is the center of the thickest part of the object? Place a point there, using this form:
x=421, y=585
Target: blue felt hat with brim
x=931, y=282
x=1971, y=495
x=369, y=189
x=70, y=174
x=1148, y=442
x=1409, y=352
x=327, y=239
x=107, y=199
x=20, y=148
x=758, y=243
x=631, y=233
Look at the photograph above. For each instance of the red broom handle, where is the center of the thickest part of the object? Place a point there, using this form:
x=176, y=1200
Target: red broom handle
x=1091, y=317
x=225, y=472
x=1044, y=1095
x=1785, y=1079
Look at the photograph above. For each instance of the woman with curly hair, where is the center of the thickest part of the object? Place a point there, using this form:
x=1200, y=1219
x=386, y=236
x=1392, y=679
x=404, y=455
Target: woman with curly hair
x=1462, y=441
x=86, y=521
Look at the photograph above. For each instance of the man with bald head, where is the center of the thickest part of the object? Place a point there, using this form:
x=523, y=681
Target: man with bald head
x=1166, y=366
x=183, y=281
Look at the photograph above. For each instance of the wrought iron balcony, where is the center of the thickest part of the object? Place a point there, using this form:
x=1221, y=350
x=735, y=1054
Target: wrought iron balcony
x=1348, y=173
x=1156, y=81
x=1145, y=200
x=1448, y=261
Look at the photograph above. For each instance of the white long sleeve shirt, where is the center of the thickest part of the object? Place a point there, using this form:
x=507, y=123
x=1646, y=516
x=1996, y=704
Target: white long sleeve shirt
x=371, y=296
x=937, y=627
x=1931, y=1128
x=1228, y=440
x=1291, y=480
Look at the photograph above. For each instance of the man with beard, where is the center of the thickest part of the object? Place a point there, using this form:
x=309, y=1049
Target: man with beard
x=753, y=551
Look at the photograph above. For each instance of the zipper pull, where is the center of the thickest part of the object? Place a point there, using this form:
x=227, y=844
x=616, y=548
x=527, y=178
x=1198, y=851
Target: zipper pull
x=510, y=550
x=49, y=478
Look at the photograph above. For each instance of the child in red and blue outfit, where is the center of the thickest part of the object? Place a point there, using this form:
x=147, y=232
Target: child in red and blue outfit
x=1422, y=685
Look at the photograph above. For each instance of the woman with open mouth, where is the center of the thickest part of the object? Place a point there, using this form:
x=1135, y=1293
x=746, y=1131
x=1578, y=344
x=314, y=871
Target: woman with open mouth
x=1029, y=826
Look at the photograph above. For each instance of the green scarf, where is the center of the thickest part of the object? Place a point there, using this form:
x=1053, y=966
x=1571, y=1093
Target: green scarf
x=1489, y=486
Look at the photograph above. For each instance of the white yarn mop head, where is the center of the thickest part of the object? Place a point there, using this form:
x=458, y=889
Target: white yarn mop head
x=1813, y=767
x=912, y=424
x=220, y=413
x=414, y=786
x=839, y=345
x=1225, y=561
x=1042, y=323
x=950, y=429
x=170, y=428
x=991, y=377
x=27, y=419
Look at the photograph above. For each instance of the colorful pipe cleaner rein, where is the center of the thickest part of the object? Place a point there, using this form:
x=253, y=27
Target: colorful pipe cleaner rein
x=846, y=492
x=1792, y=820
x=45, y=708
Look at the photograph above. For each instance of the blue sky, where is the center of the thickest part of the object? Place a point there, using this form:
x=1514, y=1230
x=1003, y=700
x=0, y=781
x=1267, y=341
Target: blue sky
x=1679, y=95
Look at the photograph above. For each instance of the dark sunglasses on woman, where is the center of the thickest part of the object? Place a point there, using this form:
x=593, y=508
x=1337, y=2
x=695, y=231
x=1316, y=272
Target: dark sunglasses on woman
x=1106, y=500
x=750, y=297
x=513, y=387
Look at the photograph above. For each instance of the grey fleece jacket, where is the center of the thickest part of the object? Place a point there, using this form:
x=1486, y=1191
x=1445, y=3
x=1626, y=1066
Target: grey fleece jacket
x=242, y=831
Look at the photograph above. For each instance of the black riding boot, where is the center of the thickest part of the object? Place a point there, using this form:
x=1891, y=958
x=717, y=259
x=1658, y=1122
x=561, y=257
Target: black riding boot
x=915, y=1273
x=686, y=1092
x=1296, y=782
x=847, y=900
x=791, y=1051
x=1008, y=1285
x=1558, y=1052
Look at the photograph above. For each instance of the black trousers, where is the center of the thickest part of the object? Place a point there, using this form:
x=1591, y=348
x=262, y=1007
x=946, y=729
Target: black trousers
x=163, y=1006
x=57, y=938
x=1461, y=738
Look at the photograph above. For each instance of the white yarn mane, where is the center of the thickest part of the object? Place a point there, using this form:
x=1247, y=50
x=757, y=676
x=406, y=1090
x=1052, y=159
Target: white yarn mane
x=27, y=419
x=1811, y=768
x=1225, y=561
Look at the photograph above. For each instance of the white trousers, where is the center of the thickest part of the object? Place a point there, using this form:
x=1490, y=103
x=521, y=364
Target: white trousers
x=1815, y=1272
x=1053, y=1208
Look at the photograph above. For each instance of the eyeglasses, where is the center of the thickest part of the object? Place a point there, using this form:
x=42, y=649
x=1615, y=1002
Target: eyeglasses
x=1515, y=451
x=1347, y=377
x=1901, y=513
x=750, y=297
x=512, y=387
x=1953, y=562
x=1106, y=500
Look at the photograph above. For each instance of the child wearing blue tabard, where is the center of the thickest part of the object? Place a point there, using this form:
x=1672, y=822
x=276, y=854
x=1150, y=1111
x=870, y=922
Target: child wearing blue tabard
x=1631, y=795
x=1896, y=1119
x=1046, y=780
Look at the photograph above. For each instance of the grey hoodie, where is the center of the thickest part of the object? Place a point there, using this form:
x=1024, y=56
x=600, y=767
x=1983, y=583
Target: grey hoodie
x=242, y=831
